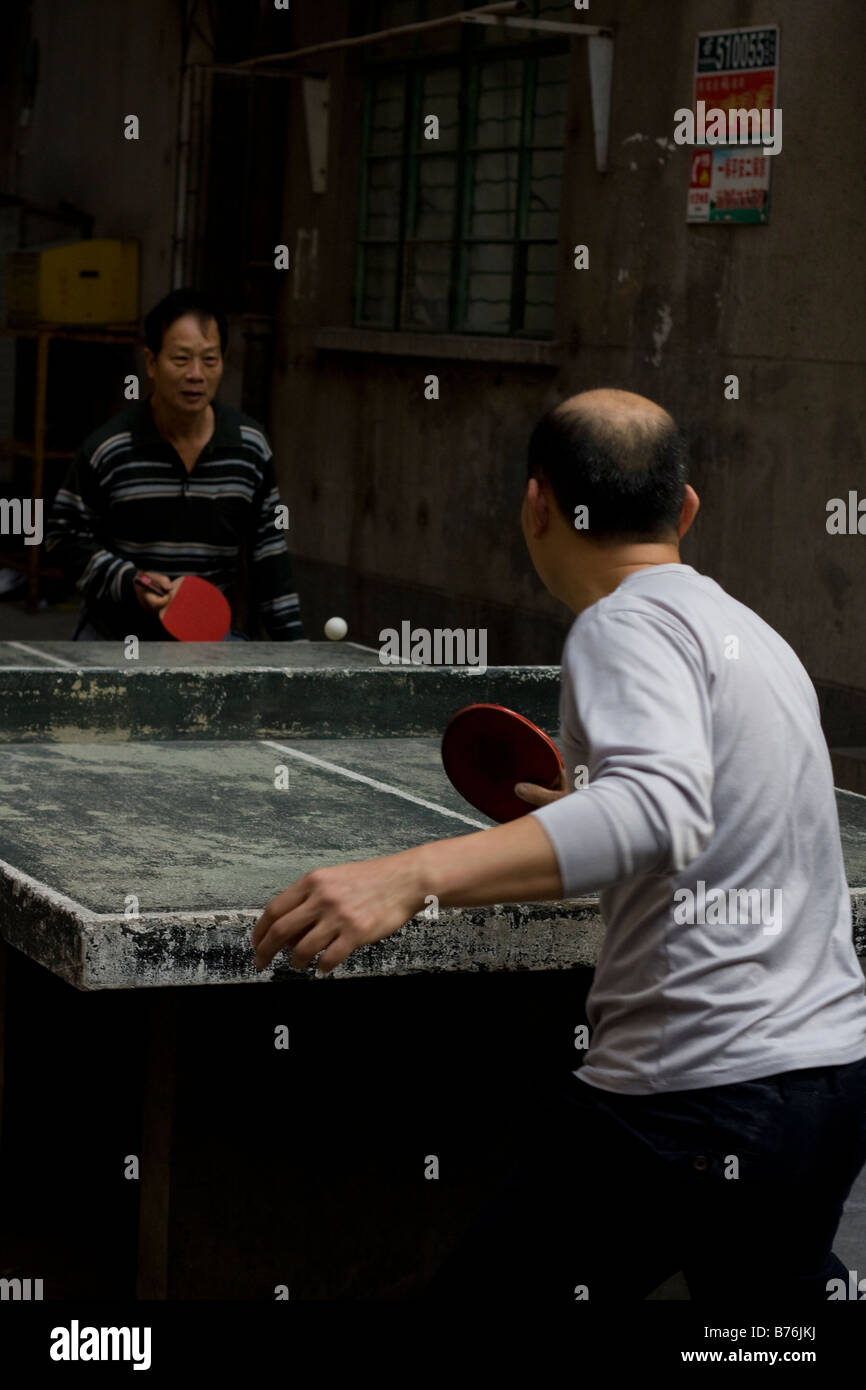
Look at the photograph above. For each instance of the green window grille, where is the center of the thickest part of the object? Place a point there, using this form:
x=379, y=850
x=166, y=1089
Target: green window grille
x=460, y=234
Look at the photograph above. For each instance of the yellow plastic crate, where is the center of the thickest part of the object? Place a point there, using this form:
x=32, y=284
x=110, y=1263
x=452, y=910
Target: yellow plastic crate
x=82, y=282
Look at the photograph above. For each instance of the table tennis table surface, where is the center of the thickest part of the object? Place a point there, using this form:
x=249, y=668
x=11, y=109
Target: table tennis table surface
x=198, y=826
x=147, y=860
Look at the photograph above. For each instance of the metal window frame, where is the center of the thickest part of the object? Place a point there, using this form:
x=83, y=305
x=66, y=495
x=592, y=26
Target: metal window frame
x=469, y=60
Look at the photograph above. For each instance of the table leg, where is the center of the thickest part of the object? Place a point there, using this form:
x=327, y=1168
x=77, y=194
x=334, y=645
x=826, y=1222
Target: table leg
x=157, y=1142
x=4, y=951
x=38, y=479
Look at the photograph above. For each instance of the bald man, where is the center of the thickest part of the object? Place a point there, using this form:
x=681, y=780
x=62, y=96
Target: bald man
x=719, y=1119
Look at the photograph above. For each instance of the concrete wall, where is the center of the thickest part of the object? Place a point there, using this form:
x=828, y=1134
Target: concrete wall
x=404, y=508
x=98, y=63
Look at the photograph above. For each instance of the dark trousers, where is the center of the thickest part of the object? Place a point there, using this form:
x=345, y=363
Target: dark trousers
x=616, y=1193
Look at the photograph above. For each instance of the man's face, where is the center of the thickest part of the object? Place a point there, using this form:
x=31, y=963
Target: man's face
x=188, y=368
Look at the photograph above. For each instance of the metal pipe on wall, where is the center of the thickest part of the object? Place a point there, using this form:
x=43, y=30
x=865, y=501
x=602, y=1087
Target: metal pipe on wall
x=506, y=7
x=182, y=179
x=189, y=144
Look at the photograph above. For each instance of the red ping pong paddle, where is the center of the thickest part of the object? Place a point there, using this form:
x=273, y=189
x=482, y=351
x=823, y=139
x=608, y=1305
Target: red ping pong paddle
x=199, y=611
x=486, y=749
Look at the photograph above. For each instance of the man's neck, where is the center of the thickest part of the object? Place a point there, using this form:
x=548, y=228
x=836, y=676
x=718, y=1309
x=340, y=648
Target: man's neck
x=181, y=425
x=609, y=573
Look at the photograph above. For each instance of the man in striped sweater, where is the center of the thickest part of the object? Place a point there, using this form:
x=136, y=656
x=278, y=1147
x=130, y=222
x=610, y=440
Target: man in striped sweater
x=178, y=484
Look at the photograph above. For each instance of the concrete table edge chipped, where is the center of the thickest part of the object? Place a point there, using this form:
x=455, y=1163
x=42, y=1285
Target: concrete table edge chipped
x=110, y=951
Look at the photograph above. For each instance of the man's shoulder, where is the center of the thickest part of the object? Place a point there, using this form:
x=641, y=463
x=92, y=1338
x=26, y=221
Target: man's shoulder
x=670, y=594
x=118, y=430
x=672, y=604
x=236, y=423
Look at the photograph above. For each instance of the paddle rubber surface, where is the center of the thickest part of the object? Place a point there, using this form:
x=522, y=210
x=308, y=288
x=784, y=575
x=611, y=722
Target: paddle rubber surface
x=199, y=612
x=486, y=749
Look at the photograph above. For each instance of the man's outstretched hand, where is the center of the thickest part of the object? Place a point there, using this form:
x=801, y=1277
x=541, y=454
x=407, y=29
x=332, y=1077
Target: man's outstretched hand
x=337, y=910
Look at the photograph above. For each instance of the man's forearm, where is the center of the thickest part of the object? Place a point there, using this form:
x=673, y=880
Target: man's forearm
x=506, y=864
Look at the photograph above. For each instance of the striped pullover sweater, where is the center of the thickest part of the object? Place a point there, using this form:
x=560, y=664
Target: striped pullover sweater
x=128, y=503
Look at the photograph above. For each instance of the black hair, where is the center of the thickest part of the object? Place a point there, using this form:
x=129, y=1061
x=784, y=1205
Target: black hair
x=630, y=474
x=174, y=307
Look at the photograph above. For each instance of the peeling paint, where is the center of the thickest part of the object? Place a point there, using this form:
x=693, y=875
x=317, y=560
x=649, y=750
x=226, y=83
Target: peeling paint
x=41, y=705
x=661, y=333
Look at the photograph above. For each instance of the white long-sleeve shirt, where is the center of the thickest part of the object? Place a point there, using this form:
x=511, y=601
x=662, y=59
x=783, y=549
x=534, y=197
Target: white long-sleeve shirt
x=708, y=774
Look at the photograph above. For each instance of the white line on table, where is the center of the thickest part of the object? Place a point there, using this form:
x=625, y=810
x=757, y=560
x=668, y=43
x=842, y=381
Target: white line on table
x=361, y=646
x=372, y=782
x=43, y=656
x=92, y=917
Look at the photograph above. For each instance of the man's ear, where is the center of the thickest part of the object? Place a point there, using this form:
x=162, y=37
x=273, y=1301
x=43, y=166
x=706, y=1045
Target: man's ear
x=537, y=509
x=149, y=362
x=690, y=508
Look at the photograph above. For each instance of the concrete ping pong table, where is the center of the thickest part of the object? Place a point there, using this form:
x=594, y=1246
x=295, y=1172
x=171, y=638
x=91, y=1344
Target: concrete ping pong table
x=148, y=810
x=144, y=821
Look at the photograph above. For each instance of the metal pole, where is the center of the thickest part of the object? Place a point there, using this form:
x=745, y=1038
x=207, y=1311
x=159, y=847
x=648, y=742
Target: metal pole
x=38, y=476
x=180, y=214
x=508, y=7
x=541, y=26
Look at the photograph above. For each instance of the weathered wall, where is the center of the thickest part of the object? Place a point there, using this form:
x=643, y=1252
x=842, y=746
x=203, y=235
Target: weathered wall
x=782, y=306
x=404, y=508
x=98, y=63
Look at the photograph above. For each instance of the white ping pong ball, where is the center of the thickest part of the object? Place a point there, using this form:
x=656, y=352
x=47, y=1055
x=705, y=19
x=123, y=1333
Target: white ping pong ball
x=336, y=629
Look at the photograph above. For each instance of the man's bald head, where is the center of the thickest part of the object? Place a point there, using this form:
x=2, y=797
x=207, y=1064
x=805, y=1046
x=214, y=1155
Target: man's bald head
x=617, y=454
x=620, y=420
